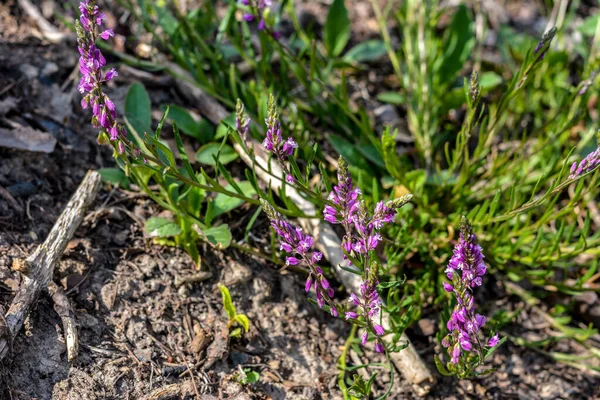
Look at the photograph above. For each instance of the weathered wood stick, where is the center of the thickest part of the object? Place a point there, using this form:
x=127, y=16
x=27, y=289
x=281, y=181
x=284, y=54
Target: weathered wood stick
x=63, y=308
x=41, y=263
x=408, y=361
x=49, y=31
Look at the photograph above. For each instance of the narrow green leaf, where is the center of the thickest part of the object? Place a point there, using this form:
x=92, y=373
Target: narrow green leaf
x=243, y=321
x=182, y=153
x=337, y=28
x=371, y=50
x=440, y=367
x=137, y=109
x=227, y=303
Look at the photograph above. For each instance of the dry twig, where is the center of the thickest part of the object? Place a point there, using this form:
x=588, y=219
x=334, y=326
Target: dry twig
x=48, y=30
x=41, y=263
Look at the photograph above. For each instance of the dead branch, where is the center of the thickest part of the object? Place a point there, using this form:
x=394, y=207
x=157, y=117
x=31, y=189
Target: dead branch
x=408, y=361
x=48, y=30
x=63, y=308
x=42, y=261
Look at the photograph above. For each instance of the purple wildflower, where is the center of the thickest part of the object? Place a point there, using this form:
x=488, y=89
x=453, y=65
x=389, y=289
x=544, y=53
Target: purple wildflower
x=465, y=270
x=258, y=10
x=589, y=163
x=91, y=63
x=274, y=141
x=494, y=340
x=107, y=34
x=345, y=196
x=295, y=242
x=281, y=148
x=347, y=208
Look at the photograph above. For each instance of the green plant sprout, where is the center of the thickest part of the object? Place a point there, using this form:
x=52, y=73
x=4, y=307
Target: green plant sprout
x=233, y=316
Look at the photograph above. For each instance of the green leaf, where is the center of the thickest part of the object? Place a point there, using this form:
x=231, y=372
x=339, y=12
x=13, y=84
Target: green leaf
x=243, y=321
x=166, y=20
x=348, y=151
x=440, y=367
x=390, y=155
x=371, y=50
x=251, y=377
x=184, y=120
x=337, y=28
x=114, y=176
x=236, y=333
x=219, y=236
x=205, y=154
x=225, y=125
x=588, y=28
x=137, y=109
x=489, y=80
x=224, y=203
x=161, y=227
x=227, y=303
x=392, y=98
x=457, y=45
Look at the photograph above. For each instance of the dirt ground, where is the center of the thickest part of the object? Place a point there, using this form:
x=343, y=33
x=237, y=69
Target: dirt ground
x=148, y=324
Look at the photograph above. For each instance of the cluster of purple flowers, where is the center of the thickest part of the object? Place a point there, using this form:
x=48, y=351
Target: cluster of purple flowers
x=368, y=303
x=299, y=246
x=349, y=210
x=589, y=163
x=258, y=10
x=362, y=236
x=465, y=270
x=274, y=141
x=91, y=63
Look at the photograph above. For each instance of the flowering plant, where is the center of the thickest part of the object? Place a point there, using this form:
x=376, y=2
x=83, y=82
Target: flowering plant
x=344, y=206
x=466, y=270
x=477, y=167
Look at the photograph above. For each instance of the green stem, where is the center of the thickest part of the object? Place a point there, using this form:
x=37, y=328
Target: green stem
x=342, y=362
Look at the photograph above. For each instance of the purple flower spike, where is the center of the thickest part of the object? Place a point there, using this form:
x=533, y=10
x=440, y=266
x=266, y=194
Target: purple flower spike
x=589, y=163
x=91, y=62
x=465, y=269
x=346, y=207
x=295, y=242
x=281, y=148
